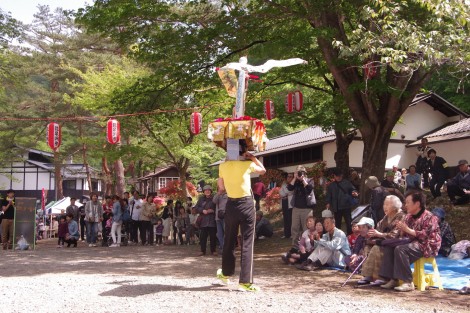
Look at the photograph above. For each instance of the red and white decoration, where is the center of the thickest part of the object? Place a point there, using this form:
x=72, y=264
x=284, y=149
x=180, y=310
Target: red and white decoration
x=290, y=102
x=370, y=70
x=196, y=123
x=53, y=136
x=298, y=101
x=269, y=112
x=113, y=131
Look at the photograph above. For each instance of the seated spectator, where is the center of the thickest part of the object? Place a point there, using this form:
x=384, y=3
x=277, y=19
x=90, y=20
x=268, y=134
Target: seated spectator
x=421, y=229
x=355, y=233
x=397, y=175
x=300, y=254
x=72, y=235
x=377, y=198
x=331, y=249
x=404, y=173
x=361, y=247
x=438, y=169
x=460, y=250
x=465, y=290
x=391, y=186
x=459, y=186
x=263, y=227
x=192, y=229
x=413, y=179
x=448, y=237
x=386, y=229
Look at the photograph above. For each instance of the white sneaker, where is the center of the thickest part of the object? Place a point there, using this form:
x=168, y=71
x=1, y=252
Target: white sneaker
x=94, y=245
x=90, y=245
x=261, y=237
x=113, y=245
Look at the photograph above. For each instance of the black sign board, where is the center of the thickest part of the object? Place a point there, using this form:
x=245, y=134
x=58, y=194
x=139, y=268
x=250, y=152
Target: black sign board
x=25, y=221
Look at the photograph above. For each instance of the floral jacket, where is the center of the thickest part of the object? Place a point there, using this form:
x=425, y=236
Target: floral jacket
x=428, y=234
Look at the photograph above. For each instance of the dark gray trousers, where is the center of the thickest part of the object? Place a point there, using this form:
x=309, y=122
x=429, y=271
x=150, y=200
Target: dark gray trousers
x=239, y=213
x=396, y=261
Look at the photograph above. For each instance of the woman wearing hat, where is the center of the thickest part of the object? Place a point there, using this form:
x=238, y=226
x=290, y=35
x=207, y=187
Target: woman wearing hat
x=206, y=208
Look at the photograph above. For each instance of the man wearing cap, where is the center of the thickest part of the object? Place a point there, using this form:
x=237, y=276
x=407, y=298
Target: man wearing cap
x=438, y=170
x=301, y=187
x=331, y=249
x=391, y=186
x=205, y=206
x=338, y=199
x=459, y=186
x=361, y=248
x=8, y=219
x=448, y=237
x=377, y=198
x=422, y=161
x=234, y=178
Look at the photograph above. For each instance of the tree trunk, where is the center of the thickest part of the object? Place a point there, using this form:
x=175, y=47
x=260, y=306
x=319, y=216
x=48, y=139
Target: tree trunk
x=108, y=178
x=120, y=179
x=59, y=191
x=343, y=141
x=85, y=160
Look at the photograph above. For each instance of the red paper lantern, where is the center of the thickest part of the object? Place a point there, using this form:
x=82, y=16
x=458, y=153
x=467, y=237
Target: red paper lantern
x=269, y=109
x=196, y=123
x=113, y=131
x=370, y=71
x=298, y=101
x=290, y=102
x=53, y=136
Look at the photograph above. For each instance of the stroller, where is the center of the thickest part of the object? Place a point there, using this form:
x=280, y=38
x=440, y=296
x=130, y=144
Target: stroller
x=124, y=237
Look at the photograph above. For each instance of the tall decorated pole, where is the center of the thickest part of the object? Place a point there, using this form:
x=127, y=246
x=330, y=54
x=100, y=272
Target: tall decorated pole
x=54, y=139
x=229, y=79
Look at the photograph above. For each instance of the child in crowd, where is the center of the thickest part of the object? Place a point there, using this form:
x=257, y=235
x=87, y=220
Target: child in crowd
x=360, y=249
x=192, y=223
x=263, y=227
x=352, y=237
x=159, y=231
x=63, y=229
x=314, y=232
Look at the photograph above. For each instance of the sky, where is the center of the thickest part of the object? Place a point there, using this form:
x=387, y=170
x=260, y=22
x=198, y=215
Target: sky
x=24, y=10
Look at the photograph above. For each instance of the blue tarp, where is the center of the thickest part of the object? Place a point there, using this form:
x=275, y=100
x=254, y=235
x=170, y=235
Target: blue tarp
x=455, y=274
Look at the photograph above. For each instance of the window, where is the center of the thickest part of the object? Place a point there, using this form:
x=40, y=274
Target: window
x=163, y=181
x=70, y=184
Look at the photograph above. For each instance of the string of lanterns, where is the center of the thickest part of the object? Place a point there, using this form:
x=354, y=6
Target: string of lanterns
x=294, y=101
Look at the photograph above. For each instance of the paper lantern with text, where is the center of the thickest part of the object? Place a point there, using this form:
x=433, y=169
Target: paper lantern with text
x=298, y=101
x=113, y=131
x=290, y=102
x=269, y=109
x=196, y=123
x=53, y=136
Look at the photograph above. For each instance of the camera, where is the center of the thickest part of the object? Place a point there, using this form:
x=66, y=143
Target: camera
x=300, y=173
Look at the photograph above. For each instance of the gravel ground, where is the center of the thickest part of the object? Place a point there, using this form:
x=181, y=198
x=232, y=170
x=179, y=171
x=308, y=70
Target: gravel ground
x=152, y=279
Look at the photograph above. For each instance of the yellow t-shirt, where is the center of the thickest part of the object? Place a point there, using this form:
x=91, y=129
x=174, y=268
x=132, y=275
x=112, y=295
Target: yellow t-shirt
x=236, y=175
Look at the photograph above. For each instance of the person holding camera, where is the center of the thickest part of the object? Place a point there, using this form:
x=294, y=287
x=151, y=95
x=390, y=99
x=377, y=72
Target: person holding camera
x=8, y=219
x=302, y=188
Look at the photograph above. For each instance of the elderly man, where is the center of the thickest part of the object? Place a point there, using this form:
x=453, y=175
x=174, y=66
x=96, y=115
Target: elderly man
x=421, y=229
x=460, y=185
x=377, y=198
x=331, y=249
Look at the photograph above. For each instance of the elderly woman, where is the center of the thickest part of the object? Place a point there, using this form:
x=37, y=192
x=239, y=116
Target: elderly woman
x=386, y=229
x=421, y=228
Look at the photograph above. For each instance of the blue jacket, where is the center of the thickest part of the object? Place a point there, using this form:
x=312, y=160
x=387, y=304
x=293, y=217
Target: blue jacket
x=117, y=212
x=73, y=229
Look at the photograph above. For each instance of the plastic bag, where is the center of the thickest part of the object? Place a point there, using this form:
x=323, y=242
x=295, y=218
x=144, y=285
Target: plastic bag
x=22, y=244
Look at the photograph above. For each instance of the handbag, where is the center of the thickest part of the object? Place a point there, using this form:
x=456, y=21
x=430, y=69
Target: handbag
x=351, y=200
x=311, y=200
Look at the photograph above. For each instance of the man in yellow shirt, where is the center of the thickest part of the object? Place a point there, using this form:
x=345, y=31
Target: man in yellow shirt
x=234, y=178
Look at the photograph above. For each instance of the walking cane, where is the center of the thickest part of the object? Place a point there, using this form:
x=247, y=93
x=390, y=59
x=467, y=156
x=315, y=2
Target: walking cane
x=355, y=271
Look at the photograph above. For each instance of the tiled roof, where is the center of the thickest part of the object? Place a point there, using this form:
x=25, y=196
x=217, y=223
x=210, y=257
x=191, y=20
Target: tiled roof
x=306, y=137
x=439, y=103
x=157, y=172
x=459, y=130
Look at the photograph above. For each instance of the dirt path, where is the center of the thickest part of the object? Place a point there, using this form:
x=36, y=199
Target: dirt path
x=152, y=279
